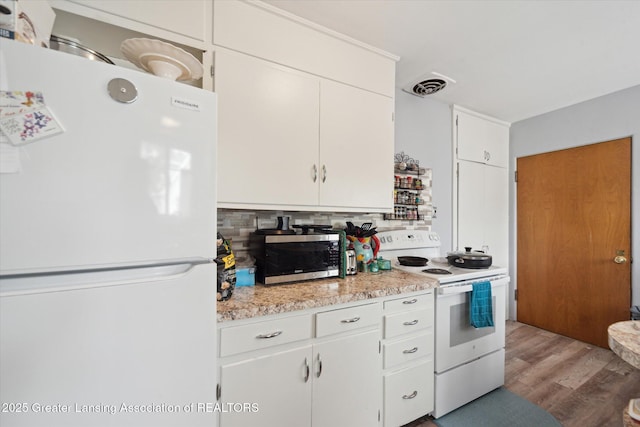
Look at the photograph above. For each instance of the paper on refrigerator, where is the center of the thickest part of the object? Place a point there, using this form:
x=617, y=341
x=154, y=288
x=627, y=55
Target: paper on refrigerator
x=25, y=118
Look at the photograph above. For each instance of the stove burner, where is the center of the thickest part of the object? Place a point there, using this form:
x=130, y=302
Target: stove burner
x=436, y=271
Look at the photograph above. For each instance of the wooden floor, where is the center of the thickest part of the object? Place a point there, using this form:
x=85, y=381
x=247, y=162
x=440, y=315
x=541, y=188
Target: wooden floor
x=580, y=384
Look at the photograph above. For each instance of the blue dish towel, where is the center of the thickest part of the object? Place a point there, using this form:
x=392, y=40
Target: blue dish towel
x=481, y=307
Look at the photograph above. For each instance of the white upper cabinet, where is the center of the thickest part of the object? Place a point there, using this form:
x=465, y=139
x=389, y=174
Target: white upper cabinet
x=261, y=30
x=305, y=114
x=355, y=129
x=481, y=139
x=188, y=18
x=267, y=133
x=287, y=139
x=103, y=25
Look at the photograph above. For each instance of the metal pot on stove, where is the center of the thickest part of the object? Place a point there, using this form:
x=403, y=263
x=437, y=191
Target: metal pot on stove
x=469, y=259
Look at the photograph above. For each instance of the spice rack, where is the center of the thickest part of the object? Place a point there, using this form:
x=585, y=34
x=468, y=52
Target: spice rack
x=407, y=189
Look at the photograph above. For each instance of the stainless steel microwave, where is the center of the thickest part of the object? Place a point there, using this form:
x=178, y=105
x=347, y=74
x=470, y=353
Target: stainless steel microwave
x=282, y=258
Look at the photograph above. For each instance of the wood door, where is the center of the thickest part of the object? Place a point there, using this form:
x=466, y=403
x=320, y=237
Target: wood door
x=573, y=216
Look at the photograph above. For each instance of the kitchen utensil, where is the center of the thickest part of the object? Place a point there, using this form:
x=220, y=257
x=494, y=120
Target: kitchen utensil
x=75, y=48
x=412, y=261
x=352, y=264
x=162, y=59
x=306, y=227
x=469, y=259
x=283, y=223
x=366, y=226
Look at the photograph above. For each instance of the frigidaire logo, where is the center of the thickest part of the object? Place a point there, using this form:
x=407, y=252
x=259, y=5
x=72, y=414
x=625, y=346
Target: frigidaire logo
x=185, y=103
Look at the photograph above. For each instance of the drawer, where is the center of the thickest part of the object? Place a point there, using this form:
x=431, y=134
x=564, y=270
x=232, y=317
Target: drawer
x=259, y=335
x=346, y=319
x=408, y=349
x=409, y=321
x=408, y=394
x=409, y=303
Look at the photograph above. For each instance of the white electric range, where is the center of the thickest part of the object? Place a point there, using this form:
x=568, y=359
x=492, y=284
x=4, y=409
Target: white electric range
x=469, y=361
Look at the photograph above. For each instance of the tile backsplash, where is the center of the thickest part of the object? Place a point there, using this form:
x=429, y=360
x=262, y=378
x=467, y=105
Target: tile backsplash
x=237, y=224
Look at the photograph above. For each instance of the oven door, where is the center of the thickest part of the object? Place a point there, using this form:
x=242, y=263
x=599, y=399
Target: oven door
x=457, y=342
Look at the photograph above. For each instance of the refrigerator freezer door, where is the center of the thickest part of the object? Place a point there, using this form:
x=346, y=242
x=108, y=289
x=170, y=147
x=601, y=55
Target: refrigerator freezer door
x=137, y=354
x=124, y=183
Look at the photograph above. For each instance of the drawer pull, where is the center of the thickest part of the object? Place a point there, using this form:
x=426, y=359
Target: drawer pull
x=413, y=322
x=413, y=350
x=271, y=335
x=411, y=396
x=352, y=320
x=411, y=301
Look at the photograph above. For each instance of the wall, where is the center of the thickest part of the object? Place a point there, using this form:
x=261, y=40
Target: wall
x=423, y=131
x=605, y=118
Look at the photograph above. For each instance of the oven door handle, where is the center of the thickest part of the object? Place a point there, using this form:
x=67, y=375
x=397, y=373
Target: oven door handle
x=468, y=287
x=450, y=290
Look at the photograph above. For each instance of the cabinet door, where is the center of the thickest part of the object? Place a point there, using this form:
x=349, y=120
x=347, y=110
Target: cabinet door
x=471, y=205
x=267, y=133
x=186, y=17
x=481, y=140
x=408, y=394
x=356, y=148
x=276, y=383
x=496, y=237
x=347, y=381
x=483, y=209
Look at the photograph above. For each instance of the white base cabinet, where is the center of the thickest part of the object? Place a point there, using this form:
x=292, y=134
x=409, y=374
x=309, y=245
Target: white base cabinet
x=331, y=379
x=346, y=388
x=363, y=364
x=276, y=383
x=408, y=349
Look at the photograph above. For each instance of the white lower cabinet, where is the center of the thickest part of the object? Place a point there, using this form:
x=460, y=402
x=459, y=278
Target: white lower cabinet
x=408, y=350
x=276, y=383
x=330, y=378
x=347, y=384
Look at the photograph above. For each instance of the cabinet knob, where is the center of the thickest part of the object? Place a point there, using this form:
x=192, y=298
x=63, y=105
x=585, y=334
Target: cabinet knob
x=314, y=174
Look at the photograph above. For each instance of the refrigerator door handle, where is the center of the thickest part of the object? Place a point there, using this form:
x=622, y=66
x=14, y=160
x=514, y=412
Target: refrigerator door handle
x=31, y=283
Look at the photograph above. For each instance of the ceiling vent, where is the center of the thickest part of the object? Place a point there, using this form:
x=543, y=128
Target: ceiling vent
x=426, y=87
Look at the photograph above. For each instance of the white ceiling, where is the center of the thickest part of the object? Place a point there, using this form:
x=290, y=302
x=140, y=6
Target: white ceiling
x=511, y=59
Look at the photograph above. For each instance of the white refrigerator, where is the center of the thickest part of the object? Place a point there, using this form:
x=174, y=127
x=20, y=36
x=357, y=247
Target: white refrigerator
x=107, y=242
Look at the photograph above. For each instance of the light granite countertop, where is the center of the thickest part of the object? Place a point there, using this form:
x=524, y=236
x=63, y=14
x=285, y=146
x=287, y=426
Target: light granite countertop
x=624, y=340
x=261, y=300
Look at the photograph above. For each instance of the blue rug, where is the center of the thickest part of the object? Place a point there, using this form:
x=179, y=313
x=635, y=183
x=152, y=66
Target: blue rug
x=499, y=408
